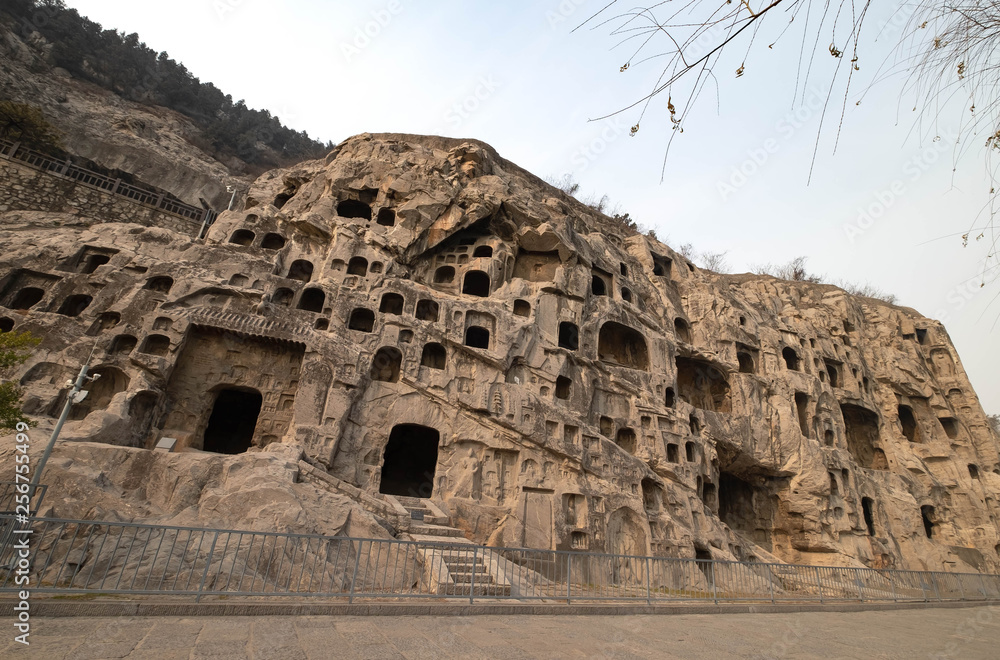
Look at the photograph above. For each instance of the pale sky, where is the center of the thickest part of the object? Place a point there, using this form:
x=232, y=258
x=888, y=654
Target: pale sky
x=513, y=75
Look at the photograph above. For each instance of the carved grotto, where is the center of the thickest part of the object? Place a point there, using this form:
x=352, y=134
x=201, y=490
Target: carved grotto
x=422, y=318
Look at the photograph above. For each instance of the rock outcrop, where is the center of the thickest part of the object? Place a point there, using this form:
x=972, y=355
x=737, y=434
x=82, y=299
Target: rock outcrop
x=423, y=318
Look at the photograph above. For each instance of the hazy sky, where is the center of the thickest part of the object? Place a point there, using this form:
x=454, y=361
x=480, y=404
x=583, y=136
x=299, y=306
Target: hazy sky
x=512, y=74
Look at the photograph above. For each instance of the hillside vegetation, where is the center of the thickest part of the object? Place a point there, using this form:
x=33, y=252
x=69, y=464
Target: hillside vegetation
x=123, y=64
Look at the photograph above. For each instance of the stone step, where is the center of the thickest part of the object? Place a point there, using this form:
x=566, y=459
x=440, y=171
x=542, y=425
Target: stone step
x=423, y=537
x=436, y=530
x=477, y=590
x=409, y=501
x=464, y=578
x=464, y=564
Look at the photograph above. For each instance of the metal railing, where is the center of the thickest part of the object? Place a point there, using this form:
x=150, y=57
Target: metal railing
x=13, y=493
x=158, y=200
x=77, y=556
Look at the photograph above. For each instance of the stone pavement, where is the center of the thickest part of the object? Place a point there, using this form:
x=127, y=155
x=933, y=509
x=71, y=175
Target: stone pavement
x=911, y=634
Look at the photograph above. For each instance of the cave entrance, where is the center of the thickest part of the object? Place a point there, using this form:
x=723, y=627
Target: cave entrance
x=862, y=430
x=409, y=461
x=747, y=508
x=233, y=421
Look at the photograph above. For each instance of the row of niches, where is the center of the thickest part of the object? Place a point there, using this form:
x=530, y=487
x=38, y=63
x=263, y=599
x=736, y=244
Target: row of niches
x=626, y=437
x=31, y=290
x=828, y=370
x=351, y=209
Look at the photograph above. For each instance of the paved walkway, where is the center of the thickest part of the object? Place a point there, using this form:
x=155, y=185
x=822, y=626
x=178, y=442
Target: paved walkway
x=912, y=634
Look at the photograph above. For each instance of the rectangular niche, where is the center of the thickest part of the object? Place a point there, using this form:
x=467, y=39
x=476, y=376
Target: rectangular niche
x=215, y=368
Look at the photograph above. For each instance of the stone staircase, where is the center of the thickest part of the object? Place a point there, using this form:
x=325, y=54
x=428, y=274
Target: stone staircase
x=459, y=568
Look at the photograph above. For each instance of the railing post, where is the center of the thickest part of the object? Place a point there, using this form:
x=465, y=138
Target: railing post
x=569, y=576
x=857, y=577
x=118, y=183
x=895, y=596
x=982, y=581
x=937, y=592
x=648, y=592
x=961, y=587
x=715, y=586
x=923, y=592
x=208, y=562
x=354, y=578
x=13, y=149
x=65, y=167
x=475, y=566
x=819, y=583
x=770, y=581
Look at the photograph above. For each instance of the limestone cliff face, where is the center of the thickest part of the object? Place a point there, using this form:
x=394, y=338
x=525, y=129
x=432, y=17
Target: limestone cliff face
x=425, y=318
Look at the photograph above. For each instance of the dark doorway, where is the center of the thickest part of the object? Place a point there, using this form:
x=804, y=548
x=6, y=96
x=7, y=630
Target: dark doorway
x=563, y=387
x=362, y=320
x=273, y=242
x=427, y=310
x=352, y=208
x=312, y=300
x=622, y=345
x=862, y=430
x=392, y=303
x=434, y=356
x=386, y=364
x=357, y=266
x=242, y=237
x=477, y=337
x=386, y=217
x=747, y=506
x=75, y=304
x=409, y=461
x=477, y=283
x=569, y=336
x=93, y=262
x=300, y=270
x=234, y=418
x=927, y=514
x=791, y=358
x=867, y=509
x=909, y=423
x=597, y=286
x=26, y=298
x=682, y=330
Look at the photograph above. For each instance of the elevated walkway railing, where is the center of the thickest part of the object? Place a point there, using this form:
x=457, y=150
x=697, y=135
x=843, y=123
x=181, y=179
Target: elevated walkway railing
x=39, y=161
x=107, y=557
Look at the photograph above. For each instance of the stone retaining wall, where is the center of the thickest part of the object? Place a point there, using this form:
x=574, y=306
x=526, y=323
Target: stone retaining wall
x=23, y=188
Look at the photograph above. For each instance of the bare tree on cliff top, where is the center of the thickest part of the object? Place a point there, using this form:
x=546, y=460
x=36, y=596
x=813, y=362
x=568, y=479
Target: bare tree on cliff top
x=947, y=54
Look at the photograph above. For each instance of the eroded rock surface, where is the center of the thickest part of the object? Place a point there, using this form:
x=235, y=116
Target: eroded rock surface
x=424, y=318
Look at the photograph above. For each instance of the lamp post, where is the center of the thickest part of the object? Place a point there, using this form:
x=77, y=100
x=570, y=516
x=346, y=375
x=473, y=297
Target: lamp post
x=70, y=400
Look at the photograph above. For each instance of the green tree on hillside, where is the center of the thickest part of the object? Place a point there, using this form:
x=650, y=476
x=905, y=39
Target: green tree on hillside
x=14, y=350
x=25, y=123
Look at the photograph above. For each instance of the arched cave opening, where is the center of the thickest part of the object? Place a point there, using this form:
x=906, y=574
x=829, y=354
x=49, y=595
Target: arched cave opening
x=409, y=461
x=233, y=421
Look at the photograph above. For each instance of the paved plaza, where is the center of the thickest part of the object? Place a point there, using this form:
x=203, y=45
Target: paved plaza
x=912, y=634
